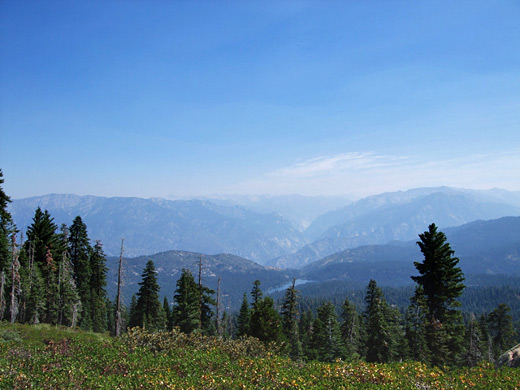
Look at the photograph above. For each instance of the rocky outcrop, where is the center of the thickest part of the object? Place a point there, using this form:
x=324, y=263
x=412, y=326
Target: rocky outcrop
x=510, y=358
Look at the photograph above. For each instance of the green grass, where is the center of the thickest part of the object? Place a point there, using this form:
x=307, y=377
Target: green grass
x=46, y=357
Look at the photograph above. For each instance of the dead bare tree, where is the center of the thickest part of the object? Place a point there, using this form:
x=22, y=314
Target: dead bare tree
x=118, y=319
x=219, y=326
x=15, y=281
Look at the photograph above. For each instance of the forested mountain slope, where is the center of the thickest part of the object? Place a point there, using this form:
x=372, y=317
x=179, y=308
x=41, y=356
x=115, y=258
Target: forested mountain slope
x=237, y=274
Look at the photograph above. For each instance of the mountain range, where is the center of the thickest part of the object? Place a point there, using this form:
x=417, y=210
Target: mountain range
x=283, y=232
x=398, y=216
x=489, y=253
x=155, y=225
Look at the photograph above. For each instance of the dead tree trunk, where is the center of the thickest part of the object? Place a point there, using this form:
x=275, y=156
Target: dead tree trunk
x=118, y=319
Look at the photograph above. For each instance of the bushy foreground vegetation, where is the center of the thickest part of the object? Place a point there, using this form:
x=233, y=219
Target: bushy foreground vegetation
x=46, y=357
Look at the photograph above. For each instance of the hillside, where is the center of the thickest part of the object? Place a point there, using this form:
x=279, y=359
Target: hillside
x=45, y=357
x=237, y=274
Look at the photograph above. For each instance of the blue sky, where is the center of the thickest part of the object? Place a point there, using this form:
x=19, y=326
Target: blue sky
x=179, y=98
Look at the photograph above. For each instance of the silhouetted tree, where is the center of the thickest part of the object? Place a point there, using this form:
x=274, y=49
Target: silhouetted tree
x=290, y=318
x=441, y=284
x=148, y=311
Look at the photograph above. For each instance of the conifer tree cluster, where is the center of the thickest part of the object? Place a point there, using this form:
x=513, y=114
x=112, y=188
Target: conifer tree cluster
x=432, y=330
x=54, y=276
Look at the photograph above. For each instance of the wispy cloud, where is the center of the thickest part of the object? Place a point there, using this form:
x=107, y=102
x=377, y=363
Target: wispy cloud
x=368, y=173
x=334, y=165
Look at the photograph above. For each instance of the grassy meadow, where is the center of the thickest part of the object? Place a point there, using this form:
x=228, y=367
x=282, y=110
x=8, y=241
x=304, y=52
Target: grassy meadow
x=48, y=357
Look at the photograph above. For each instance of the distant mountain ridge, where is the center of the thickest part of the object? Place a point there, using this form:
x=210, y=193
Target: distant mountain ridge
x=483, y=247
x=263, y=235
x=397, y=217
x=155, y=225
x=489, y=248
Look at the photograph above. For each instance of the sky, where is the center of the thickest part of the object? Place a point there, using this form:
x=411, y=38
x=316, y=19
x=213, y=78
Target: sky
x=184, y=99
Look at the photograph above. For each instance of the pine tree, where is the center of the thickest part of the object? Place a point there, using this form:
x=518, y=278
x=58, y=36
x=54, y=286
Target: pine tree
x=7, y=228
x=244, y=318
x=327, y=334
x=168, y=314
x=33, y=296
x=42, y=236
x=134, y=319
x=79, y=251
x=266, y=323
x=206, y=325
x=487, y=342
x=441, y=284
x=186, y=303
x=381, y=327
x=415, y=327
x=69, y=304
x=256, y=293
x=225, y=326
x=118, y=312
x=43, y=245
x=500, y=325
x=306, y=330
x=290, y=318
x=351, y=329
x=149, y=313
x=98, y=282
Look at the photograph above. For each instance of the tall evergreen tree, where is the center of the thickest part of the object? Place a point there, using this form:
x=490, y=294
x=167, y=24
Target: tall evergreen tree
x=42, y=236
x=501, y=330
x=168, y=314
x=244, y=318
x=266, y=323
x=306, y=330
x=290, y=318
x=351, y=329
x=441, y=284
x=327, y=334
x=186, y=303
x=487, y=342
x=98, y=282
x=79, y=251
x=415, y=327
x=43, y=246
x=206, y=302
x=148, y=310
x=256, y=293
x=7, y=228
x=381, y=327
x=134, y=319
x=69, y=304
